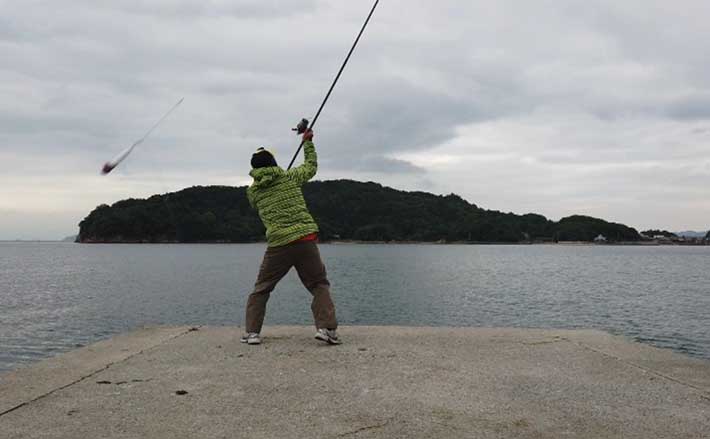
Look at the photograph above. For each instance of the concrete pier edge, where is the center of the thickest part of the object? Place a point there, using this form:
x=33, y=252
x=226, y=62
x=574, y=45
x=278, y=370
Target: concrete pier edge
x=46, y=377
x=383, y=382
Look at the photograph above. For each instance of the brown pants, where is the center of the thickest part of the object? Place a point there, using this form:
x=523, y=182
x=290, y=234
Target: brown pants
x=277, y=262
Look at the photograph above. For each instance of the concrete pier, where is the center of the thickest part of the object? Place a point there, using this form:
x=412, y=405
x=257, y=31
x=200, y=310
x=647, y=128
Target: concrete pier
x=383, y=382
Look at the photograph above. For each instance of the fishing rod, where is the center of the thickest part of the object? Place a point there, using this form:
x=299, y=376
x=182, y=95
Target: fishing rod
x=111, y=164
x=303, y=125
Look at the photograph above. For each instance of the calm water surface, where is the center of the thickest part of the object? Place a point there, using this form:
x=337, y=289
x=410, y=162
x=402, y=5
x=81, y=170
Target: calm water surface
x=55, y=297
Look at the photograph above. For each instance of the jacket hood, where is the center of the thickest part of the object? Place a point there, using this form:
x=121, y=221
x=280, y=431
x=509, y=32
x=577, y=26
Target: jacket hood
x=264, y=177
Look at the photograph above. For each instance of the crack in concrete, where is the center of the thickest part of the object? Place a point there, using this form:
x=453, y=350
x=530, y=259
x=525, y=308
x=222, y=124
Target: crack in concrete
x=367, y=427
x=702, y=392
x=97, y=371
x=555, y=339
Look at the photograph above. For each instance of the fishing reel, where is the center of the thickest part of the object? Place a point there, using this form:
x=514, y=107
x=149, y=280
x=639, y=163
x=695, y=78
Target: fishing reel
x=301, y=127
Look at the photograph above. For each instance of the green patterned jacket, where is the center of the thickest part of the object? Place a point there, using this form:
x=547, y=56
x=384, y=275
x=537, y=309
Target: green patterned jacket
x=276, y=194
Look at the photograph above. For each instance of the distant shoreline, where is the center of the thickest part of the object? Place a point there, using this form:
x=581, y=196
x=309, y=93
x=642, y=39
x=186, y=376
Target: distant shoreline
x=356, y=242
x=353, y=242
x=32, y=240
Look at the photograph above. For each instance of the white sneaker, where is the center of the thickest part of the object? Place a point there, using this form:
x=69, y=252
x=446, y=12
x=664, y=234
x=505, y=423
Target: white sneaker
x=328, y=335
x=251, y=338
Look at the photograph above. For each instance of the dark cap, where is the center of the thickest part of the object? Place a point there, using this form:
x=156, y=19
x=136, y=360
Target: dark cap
x=262, y=158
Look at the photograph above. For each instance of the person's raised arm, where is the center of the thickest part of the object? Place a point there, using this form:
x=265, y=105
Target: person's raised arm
x=308, y=169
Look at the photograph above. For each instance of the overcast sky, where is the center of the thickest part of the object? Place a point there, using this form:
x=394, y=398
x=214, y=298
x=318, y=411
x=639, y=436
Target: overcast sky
x=586, y=107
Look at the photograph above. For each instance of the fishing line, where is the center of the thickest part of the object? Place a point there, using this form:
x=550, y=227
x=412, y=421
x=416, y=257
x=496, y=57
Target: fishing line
x=111, y=164
x=303, y=127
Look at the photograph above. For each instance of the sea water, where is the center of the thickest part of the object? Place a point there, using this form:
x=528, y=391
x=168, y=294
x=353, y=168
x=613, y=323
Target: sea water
x=55, y=297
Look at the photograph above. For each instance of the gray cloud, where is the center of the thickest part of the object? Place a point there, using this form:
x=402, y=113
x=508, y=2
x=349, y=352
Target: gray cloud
x=379, y=165
x=533, y=106
x=694, y=107
x=396, y=115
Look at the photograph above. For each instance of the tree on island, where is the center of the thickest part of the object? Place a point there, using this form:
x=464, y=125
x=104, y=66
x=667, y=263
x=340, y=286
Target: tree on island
x=344, y=209
x=654, y=232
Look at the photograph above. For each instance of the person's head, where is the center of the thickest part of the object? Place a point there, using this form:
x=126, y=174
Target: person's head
x=262, y=158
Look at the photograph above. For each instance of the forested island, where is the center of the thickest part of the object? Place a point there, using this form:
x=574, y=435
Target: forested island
x=344, y=209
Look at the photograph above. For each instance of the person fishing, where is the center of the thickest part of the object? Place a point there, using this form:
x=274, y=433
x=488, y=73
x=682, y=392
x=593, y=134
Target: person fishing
x=292, y=236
